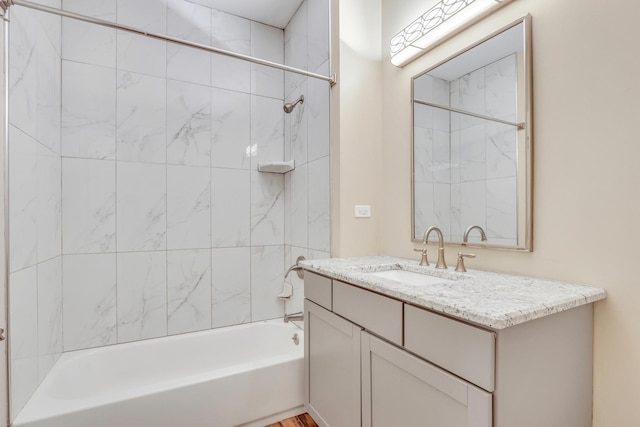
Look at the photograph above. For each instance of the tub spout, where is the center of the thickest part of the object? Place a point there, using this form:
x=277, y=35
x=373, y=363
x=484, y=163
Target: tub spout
x=293, y=316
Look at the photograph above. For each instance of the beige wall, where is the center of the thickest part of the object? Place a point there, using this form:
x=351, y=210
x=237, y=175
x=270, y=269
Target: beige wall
x=586, y=163
x=356, y=109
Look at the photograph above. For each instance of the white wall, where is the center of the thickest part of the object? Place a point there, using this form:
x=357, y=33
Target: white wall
x=586, y=177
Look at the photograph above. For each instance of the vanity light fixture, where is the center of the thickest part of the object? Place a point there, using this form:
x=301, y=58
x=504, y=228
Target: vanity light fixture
x=443, y=20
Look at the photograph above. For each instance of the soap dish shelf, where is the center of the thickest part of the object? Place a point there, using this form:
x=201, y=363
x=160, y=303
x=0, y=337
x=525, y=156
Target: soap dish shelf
x=276, y=167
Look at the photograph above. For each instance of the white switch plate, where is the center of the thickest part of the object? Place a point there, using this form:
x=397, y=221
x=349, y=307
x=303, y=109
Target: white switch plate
x=363, y=211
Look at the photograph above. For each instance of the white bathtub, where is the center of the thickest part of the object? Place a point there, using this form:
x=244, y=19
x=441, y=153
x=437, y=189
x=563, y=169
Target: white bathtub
x=242, y=375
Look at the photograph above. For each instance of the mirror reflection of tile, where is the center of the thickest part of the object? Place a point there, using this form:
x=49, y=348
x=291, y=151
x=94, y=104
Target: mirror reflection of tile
x=465, y=166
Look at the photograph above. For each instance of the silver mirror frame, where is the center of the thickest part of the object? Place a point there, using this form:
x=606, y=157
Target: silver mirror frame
x=527, y=227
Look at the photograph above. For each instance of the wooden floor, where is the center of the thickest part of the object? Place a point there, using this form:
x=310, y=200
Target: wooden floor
x=303, y=420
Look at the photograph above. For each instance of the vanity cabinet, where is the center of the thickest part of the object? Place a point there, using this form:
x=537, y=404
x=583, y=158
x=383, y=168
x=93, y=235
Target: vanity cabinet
x=376, y=313
x=458, y=347
x=373, y=360
x=332, y=367
x=399, y=389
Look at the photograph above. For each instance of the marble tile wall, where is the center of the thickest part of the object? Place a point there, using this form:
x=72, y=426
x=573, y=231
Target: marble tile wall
x=306, y=129
x=432, y=134
x=160, y=190
x=484, y=175
x=465, y=167
x=136, y=207
x=35, y=267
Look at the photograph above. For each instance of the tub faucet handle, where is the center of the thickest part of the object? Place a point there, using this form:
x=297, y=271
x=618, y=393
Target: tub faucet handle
x=292, y=268
x=297, y=268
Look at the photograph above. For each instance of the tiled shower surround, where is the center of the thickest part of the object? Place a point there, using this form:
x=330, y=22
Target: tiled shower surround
x=136, y=207
x=35, y=263
x=465, y=167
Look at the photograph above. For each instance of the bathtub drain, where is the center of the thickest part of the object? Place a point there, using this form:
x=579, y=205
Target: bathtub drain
x=296, y=339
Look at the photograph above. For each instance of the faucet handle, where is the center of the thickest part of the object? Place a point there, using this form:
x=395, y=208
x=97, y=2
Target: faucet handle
x=297, y=268
x=423, y=258
x=460, y=264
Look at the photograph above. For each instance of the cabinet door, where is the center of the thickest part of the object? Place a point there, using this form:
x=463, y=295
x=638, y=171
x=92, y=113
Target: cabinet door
x=399, y=389
x=332, y=368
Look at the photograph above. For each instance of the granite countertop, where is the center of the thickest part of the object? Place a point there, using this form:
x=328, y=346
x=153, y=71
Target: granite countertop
x=493, y=300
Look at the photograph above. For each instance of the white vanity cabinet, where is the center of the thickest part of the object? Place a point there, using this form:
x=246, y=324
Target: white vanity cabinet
x=399, y=389
x=373, y=360
x=332, y=367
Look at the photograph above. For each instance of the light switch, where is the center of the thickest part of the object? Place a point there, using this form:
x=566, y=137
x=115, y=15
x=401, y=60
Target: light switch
x=363, y=211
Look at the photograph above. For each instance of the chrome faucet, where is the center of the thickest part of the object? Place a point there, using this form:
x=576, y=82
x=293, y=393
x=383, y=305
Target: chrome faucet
x=293, y=316
x=441, y=263
x=465, y=239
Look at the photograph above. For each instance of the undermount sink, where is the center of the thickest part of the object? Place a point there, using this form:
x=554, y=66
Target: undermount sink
x=410, y=277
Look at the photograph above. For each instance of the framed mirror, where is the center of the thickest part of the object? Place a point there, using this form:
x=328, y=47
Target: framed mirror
x=472, y=143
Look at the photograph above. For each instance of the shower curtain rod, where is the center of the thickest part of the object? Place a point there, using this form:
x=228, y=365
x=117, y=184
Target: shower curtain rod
x=5, y=4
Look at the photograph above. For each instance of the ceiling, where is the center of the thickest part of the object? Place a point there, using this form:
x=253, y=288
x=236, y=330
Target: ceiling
x=276, y=13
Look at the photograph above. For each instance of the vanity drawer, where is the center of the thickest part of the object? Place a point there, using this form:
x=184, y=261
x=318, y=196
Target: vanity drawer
x=317, y=289
x=462, y=349
x=377, y=313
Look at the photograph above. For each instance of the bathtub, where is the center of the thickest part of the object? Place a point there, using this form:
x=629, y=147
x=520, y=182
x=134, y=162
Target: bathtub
x=248, y=375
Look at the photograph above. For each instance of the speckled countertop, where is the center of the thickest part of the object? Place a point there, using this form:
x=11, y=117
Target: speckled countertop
x=489, y=299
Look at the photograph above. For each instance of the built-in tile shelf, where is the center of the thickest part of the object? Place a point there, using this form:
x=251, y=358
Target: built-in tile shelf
x=276, y=167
